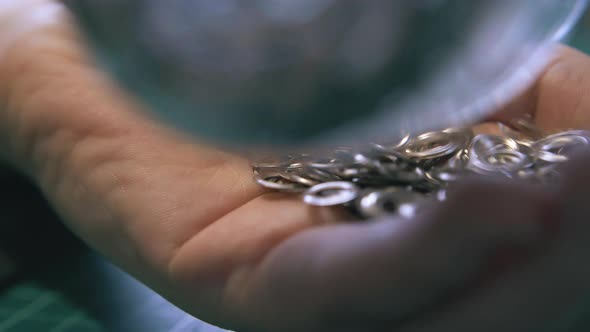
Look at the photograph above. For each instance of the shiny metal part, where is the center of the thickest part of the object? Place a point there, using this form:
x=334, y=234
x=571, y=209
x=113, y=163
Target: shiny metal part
x=393, y=178
x=331, y=194
x=432, y=145
x=558, y=147
x=301, y=178
x=322, y=175
x=280, y=183
x=499, y=160
x=483, y=143
x=374, y=204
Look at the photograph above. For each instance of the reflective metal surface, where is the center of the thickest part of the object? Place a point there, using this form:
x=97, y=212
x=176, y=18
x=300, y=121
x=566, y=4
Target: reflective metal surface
x=397, y=177
x=294, y=72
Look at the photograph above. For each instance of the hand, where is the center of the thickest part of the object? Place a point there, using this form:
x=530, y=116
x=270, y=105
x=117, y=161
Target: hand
x=189, y=221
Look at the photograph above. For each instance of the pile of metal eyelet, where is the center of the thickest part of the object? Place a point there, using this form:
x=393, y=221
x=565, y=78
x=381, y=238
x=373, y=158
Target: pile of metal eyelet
x=396, y=178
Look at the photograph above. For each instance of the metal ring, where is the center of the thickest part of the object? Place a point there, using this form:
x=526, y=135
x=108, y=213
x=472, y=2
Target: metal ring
x=276, y=183
x=550, y=157
x=483, y=143
x=331, y=194
x=375, y=204
x=431, y=145
x=301, y=178
x=490, y=161
x=323, y=175
x=552, y=148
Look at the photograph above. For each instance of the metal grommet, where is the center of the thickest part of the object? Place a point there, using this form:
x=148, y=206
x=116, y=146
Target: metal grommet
x=431, y=146
x=280, y=183
x=390, y=178
x=375, y=204
x=331, y=194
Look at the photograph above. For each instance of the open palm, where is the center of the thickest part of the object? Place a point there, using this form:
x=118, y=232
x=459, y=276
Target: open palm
x=190, y=222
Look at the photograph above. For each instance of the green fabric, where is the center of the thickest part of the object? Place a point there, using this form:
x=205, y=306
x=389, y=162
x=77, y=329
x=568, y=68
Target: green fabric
x=29, y=307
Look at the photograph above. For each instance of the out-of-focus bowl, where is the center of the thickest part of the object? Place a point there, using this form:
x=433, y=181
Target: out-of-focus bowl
x=251, y=73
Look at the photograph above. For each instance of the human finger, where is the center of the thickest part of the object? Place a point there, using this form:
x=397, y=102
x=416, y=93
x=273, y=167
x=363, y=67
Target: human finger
x=338, y=276
x=560, y=98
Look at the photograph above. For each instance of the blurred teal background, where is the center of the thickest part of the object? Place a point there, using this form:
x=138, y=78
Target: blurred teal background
x=581, y=37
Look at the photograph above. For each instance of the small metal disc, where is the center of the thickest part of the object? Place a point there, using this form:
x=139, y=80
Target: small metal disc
x=505, y=161
x=550, y=157
x=280, y=183
x=301, y=178
x=331, y=194
x=379, y=203
x=431, y=145
x=483, y=143
x=557, y=148
x=388, y=178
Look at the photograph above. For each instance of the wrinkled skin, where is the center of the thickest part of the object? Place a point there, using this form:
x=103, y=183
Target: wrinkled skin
x=190, y=222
